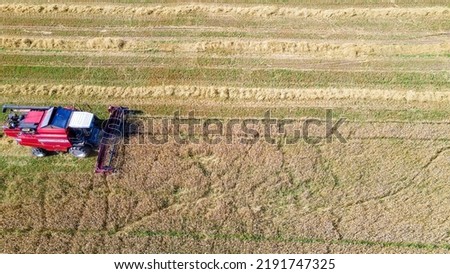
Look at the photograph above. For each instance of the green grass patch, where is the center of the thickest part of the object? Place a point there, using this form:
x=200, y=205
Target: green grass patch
x=229, y=109
x=424, y=56
x=276, y=78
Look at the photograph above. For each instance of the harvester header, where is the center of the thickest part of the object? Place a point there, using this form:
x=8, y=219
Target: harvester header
x=113, y=131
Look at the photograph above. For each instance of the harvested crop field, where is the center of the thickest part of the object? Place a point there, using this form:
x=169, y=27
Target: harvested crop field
x=383, y=187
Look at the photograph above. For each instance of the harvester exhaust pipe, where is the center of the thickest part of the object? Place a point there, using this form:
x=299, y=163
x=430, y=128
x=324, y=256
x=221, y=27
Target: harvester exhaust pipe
x=15, y=107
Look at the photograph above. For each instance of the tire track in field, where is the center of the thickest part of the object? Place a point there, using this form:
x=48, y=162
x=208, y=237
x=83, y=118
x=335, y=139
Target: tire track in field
x=76, y=231
x=294, y=67
x=227, y=93
x=288, y=61
x=224, y=46
x=409, y=182
x=263, y=11
x=189, y=31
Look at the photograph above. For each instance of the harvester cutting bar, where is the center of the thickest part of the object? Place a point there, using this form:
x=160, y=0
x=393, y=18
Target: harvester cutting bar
x=112, y=136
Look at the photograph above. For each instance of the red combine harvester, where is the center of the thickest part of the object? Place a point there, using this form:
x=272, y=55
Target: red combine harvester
x=60, y=129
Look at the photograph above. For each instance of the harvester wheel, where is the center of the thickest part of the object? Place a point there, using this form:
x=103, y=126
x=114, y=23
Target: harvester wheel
x=38, y=152
x=80, y=152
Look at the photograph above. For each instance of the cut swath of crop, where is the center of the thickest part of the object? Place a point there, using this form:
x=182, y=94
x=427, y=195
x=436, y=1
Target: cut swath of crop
x=232, y=93
x=321, y=49
x=255, y=11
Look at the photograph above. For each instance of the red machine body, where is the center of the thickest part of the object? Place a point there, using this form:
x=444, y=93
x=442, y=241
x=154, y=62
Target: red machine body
x=48, y=138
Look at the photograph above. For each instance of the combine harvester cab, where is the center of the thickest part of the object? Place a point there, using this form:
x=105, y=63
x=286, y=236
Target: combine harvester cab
x=60, y=129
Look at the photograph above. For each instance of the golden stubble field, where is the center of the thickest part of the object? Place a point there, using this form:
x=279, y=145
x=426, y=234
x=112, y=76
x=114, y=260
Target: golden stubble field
x=383, y=66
